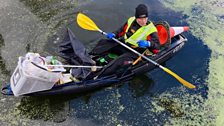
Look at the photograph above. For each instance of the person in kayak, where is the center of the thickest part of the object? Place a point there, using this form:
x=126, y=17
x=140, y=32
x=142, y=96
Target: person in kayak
x=138, y=32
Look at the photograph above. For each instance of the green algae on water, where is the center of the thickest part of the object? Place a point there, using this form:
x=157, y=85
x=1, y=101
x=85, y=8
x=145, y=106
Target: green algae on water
x=206, y=23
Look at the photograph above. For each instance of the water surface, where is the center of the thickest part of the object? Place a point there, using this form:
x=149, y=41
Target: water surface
x=154, y=98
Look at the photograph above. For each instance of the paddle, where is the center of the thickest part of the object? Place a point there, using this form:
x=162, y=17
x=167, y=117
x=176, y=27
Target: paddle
x=86, y=23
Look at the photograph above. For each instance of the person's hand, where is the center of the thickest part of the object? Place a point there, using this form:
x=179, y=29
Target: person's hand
x=144, y=43
x=110, y=35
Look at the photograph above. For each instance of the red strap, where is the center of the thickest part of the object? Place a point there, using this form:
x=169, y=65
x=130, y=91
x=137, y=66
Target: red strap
x=155, y=51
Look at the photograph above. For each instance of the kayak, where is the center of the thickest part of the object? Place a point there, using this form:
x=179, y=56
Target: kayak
x=176, y=43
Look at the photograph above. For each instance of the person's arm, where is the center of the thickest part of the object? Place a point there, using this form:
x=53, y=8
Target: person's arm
x=121, y=31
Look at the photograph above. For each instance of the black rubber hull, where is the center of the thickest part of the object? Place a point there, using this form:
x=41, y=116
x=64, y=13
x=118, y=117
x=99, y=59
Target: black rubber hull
x=85, y=86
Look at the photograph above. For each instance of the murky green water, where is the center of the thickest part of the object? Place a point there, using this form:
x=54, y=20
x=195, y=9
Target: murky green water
x=206, y=21
x=151, y=99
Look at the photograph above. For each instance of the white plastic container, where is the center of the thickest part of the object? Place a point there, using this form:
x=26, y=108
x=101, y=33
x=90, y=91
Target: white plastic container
x=28, y=78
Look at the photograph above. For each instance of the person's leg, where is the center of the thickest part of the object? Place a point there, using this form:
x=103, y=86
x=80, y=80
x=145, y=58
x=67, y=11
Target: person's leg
x=123, y=61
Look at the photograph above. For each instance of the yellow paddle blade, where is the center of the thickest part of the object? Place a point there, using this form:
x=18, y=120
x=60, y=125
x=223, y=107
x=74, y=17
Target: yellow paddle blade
x=86, y=23
x=181, y=80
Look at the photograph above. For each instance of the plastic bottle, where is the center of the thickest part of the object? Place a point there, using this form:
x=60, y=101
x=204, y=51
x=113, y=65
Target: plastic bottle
x=103, y=61
x=53, y=61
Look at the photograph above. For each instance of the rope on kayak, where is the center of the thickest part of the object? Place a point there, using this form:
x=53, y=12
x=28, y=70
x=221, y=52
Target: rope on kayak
x=6, y=89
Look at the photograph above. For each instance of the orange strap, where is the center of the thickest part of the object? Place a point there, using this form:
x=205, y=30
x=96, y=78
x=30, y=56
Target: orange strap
x=147, y=52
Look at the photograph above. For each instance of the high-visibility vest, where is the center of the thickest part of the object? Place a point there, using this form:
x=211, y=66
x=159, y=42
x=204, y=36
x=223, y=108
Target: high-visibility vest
x=140, y=34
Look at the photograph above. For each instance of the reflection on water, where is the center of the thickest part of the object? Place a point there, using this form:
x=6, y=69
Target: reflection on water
x=140, y=85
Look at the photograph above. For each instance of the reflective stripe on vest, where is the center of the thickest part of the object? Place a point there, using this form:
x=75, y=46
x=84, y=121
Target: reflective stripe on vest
x=140, y=34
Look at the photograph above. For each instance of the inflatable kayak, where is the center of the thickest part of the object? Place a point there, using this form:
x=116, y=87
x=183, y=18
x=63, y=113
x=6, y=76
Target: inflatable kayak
x=175, y=44
x=87, y=85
